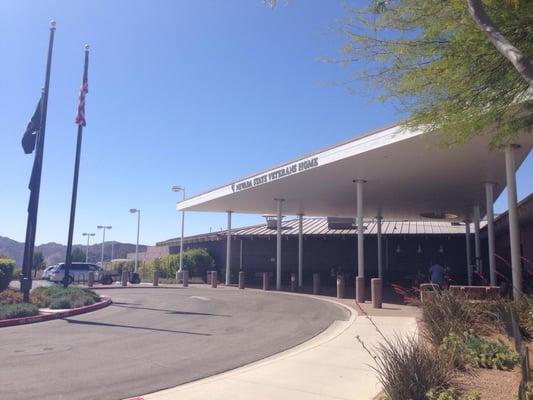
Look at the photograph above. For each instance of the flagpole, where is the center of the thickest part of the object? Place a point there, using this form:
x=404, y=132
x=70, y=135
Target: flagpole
x=68, y=259
x=25, y=280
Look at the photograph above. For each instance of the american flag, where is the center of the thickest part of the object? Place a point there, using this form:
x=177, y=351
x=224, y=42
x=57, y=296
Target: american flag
x=84, y=89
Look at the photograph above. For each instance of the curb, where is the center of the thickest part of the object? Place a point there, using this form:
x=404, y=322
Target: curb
x=56, y=315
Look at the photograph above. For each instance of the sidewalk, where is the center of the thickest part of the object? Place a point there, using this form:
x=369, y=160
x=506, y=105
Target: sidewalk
x=333, y=365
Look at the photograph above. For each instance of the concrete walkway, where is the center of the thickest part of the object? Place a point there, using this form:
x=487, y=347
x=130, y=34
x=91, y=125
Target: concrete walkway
x=333, y=365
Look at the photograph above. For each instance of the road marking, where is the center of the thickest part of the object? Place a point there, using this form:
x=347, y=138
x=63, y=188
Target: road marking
x=200, y=298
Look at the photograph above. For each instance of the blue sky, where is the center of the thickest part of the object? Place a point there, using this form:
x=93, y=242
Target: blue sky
x=195, y=93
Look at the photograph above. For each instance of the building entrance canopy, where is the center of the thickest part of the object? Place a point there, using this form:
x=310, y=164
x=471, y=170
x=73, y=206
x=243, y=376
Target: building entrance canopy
x=407, y=176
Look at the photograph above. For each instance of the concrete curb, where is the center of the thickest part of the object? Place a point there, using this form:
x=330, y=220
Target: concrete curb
x=56, y=315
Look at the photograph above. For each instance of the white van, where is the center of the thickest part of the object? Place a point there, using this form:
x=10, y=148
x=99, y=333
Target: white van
x=79, y=272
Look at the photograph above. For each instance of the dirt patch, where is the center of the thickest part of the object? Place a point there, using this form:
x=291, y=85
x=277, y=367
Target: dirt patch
x=492, y=384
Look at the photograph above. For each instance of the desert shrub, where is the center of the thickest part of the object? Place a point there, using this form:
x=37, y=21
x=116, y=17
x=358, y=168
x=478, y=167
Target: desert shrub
x=17, y=310
x=119, y=266
x=522, y=311
x=409, y=369
x=6, y=272
x=57, y=297
x=452, y=394
x=479, y=352
x=198, y=262
x=10, y=296
x=447, y=313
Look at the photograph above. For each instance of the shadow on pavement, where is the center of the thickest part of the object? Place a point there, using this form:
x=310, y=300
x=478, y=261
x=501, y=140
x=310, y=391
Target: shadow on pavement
x=177, y=312
x=73, y=321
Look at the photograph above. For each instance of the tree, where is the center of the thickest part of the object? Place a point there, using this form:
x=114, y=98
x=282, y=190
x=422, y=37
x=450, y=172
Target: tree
x=78, y=255
x=38, y=262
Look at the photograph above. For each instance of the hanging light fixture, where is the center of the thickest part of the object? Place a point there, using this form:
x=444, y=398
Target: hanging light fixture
x=398, y=250
x=419, y=250
x=441, y=249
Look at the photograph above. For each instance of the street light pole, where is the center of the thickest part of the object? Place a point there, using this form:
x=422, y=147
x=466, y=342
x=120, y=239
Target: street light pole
x=87, y=248
x=103, y=227
x=181, y=189
x=138, y=211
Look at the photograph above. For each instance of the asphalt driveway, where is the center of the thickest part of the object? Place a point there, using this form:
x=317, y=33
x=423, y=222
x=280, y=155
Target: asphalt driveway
x=152, y=339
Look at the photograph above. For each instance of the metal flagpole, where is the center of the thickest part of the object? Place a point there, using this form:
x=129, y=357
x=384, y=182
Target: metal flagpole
x=35, y=183
x=81, y=123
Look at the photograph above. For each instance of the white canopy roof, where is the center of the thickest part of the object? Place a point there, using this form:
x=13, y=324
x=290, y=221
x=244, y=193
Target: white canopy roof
x=406, y=173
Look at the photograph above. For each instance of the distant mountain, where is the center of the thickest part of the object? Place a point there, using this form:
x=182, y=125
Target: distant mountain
x=55, y=252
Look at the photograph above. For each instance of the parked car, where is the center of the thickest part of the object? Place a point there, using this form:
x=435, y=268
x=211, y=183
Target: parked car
x=79, y=272
x=47, y=272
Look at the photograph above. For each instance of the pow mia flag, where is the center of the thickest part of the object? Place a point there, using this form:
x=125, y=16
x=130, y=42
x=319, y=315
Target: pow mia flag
x=30, y=135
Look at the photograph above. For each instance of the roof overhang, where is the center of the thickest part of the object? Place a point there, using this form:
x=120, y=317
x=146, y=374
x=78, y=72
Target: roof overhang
x=406, y=173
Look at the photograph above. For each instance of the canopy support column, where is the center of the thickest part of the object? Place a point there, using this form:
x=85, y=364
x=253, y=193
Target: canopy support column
x=489, y=191
x=300, y=249
x=360, y=279
x=228, y=251
x=278, y=245
x=514, y=227
x=477, y=240
x=468, y=252
x=380, y=252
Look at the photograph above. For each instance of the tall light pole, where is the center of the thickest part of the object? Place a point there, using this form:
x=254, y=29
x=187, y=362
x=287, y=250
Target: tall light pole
x=87, y=248
x=103, y=227
x=181, y=189
x=138, y=211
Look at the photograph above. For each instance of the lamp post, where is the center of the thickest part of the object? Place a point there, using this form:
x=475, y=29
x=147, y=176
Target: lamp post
x=103, y=227
x=181, y=189
x=138, y=211
x=87, y=248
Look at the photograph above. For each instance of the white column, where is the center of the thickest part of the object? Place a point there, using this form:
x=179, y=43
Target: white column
x=468, y=252
x=228, y=250
x=300, y=249
x=278, y=245
x=489, y=191
x=514, y=227
x=380, y=252
x=360, y=231
x=477, y=240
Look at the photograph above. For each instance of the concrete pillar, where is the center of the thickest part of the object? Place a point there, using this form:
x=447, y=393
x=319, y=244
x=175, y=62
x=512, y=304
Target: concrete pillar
x=125, y=276
x=241, y=280
x=380, y=251
x=240, y=256
x=468, y=252
x=514, y=226
x=316, y=283
x=489, y=191
x=228, y=251
x=185, y=275
x=300, y=250
x=155, y=281
x=278, y=245
x=293, y=282
x=477, y=239
x=90, y=281
x=340, y=286
x=360, y=281
x=377, y=292
x=266, y=281
x=214, y=279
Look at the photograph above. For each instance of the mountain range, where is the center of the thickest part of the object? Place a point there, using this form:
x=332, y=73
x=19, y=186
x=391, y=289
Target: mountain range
x=55, y=252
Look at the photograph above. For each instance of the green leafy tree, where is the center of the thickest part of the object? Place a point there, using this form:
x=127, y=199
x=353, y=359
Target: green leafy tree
x=78, y=255
x=38, y=262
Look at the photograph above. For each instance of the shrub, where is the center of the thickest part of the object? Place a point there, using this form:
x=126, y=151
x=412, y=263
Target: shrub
x=522, y=311
x=447, y=313
x=198, y=262
x=17, y=310
x=6, y=272
x=479, y=352
x=10, y=296
x=409, y=369
x=452, y=394
x=57, y=297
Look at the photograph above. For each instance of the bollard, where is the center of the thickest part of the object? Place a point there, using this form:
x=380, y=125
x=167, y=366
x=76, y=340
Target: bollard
x=376, y=285
x=208, y=279
x=340, y=287
x=125, y=278
x=185, y=276
x=90, y=281
x=214, y=279
x=316, y=283
x=293, y=282
x=266, y=281
x=155, y=281
x=241, y=279
x=360, y=289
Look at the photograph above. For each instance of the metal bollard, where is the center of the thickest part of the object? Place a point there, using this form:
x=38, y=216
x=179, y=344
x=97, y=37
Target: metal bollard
x=185, y=276
x=316, y=283
x=266, y=281
x=293, y=282
x=214, y=279
x=376, y=285
x=155, y=281
x=125, y=278
x=241, y=279
x=360, y=289
x=90, y=281
x=340, y=287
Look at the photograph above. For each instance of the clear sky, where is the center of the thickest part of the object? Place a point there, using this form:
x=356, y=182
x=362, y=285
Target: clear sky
x=195, y=93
